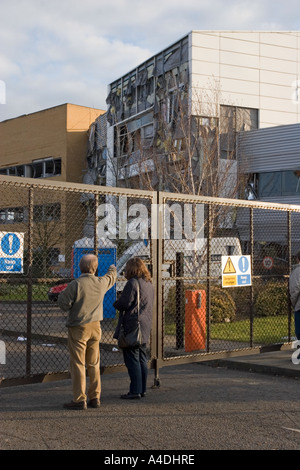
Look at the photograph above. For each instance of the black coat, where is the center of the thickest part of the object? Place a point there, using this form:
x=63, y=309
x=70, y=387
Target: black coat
x=127, y=303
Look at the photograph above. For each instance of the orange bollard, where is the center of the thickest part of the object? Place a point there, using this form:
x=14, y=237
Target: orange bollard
x=195, y=319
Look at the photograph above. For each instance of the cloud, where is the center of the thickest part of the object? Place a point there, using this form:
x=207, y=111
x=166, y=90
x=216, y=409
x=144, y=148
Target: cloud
x=69, y=51
x=2, y=92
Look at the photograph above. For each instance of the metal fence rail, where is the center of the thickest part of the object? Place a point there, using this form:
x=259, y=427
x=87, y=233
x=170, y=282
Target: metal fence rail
x=182, y=239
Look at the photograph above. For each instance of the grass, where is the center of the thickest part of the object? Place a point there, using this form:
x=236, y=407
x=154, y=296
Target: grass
x=18, y=292
x=266, y=330
x=271, y=329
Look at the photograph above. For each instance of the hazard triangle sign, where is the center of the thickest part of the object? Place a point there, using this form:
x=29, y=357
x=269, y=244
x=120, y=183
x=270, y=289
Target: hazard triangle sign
x=229, y=267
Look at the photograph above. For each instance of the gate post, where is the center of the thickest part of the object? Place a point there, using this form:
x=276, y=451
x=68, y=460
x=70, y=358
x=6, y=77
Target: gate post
x=29, y=282
x=290, y=269
x=156, y=254
x=251, y=287
x=208, y=280
x=180, y=299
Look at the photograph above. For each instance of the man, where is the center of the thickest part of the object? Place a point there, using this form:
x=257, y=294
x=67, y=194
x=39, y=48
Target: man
x=83, y=300
x=294, y=286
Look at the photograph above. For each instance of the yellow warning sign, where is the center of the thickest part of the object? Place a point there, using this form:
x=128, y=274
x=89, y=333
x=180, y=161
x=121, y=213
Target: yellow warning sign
x=229, y=268
x=229, y=281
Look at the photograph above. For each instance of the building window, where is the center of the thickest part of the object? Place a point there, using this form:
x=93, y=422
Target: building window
x=124, y=141
x=54, y=256
x=43, y=168
x=41, y=213
x=279, y=183
x=12, y=215
x=46, y=212
x=234, y=119
x=167, y=107
x=46, y=167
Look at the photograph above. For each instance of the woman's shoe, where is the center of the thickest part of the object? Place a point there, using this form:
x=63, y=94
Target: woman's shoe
x=131, y=396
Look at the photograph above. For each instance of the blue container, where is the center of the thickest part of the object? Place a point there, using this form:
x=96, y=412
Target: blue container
x=106, y=257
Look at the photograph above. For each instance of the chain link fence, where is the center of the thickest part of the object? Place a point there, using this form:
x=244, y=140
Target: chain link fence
x=45, y=228
x=211, y=307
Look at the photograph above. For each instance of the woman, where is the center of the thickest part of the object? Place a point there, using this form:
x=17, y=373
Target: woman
x=135, y=359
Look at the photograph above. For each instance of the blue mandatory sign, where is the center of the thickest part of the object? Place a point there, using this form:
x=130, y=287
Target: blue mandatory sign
x=10, y=244
x=244, y=280
x=243, y=264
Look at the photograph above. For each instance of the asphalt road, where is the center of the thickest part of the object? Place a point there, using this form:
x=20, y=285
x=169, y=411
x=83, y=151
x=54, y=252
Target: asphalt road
x=196, y=408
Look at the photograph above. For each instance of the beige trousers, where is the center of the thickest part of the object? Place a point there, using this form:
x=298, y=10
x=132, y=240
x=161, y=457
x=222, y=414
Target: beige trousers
x=84, y=348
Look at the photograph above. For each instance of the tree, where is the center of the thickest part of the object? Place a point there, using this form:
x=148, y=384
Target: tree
x=47, y=235
x=186, y=146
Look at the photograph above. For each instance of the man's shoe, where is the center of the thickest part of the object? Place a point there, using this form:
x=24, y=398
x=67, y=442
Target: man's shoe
x=75, y=405
x=143, y=394
x=131, y=396
x=94, y=403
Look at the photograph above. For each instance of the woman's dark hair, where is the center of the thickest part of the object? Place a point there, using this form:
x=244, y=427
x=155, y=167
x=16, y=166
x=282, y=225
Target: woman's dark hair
x=135, y=267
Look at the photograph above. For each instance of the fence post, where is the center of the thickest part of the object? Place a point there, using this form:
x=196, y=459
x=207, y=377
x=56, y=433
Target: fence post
x=156, y=254
x=290, y=269
x=29, y=282
x=179, y=301
x=208, y=280
x=251, y=287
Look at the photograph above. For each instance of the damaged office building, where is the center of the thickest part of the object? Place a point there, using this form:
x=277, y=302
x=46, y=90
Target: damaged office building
x=168, y=131
x=136, y=103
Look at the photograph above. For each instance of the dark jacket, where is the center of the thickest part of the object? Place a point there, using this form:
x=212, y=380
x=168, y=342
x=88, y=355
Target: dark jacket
x=127, y=304
x=294, y=286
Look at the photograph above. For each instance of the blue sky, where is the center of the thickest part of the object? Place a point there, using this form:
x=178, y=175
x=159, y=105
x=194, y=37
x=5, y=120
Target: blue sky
x=68, y=51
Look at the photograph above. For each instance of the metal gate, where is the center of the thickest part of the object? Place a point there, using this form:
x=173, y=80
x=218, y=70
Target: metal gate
x=183, y=240
x=202, y=313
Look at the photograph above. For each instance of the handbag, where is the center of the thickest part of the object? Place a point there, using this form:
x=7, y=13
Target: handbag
x=133, y=339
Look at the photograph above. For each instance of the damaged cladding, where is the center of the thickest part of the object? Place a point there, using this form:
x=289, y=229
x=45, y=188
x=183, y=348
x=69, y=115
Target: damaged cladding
x=97, y=152
x=146, y=86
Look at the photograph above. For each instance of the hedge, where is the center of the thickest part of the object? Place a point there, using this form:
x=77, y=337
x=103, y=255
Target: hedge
x=223, y=308
x=272, y=300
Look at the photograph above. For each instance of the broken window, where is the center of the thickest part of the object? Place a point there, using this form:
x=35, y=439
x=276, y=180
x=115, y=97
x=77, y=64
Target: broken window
x=46, y=167
x=147, y=136
x=124, y=141
x=170, y=59
x=167, y=107
x=234, y=119
x=129, y=95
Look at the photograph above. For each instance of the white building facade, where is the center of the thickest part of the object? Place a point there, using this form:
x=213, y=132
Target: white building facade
x=258, y=70
x=251, y=76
